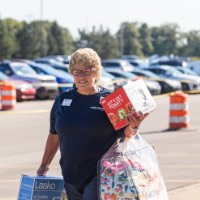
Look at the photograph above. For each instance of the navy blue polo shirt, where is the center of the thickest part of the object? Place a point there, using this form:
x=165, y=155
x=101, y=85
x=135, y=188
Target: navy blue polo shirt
x=85, y=133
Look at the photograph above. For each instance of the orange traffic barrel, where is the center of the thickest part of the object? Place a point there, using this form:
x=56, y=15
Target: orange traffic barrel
x=0, y=95
x=179, y=111
x=8, y=96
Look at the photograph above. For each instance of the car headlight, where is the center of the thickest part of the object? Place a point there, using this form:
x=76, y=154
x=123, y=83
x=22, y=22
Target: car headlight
x=174, y=83
x=23, y=86
x=152, y=84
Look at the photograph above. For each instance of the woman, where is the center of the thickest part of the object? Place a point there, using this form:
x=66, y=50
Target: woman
x=80, y=127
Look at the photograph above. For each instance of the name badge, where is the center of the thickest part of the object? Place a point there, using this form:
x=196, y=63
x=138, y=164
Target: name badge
x=66, y=102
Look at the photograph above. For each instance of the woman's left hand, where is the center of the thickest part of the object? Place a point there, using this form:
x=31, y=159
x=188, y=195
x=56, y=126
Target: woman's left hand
x=133, y=123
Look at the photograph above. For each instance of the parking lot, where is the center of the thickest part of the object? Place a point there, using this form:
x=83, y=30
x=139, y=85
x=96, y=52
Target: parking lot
x=23, y=132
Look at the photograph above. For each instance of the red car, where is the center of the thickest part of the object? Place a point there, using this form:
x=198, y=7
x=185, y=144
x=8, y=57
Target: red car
x=24, y=90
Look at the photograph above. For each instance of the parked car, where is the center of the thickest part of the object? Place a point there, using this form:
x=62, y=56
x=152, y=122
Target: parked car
x=153, y=86
x=24, y=90
x=186, y=70
x=45, y=85
x=65, y=80
x=106, y=82
x=60, y=58
x=51, y=61
x=135, y=61
x=188, y=82
x=118, y=64
x=170, y=61
x=167, y=85
x=195, y=66
x=64, y=68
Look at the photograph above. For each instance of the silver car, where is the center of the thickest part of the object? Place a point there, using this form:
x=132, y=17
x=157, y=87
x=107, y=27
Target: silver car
x=188, y=82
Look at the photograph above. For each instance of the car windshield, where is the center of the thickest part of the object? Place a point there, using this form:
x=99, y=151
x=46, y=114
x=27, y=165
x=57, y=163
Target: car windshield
x=65, y=74
x=173, y=72
x=107, y=74
x=188, y=71
x=3, y=77
x=23, y=69
x=148, y=74
x=123, y=74
x=126, y=64
x=51, y=70
x=128, y=75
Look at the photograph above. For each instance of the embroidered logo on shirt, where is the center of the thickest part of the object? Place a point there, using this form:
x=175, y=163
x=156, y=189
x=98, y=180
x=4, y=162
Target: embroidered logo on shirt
x=66, y=102
x=97, y=108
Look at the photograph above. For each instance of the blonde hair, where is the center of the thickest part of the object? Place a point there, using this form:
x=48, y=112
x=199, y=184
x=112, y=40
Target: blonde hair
x=86, y=57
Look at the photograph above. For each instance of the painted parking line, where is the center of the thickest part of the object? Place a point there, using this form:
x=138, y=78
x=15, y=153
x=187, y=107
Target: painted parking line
x=24, y=112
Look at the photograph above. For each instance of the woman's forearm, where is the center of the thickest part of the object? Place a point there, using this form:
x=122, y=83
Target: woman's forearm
x=51, y=148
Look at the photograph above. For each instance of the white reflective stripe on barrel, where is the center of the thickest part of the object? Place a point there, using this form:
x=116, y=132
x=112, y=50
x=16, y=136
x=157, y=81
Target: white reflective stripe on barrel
x=8, y=92
x=8, y=102
x=179, y=119
x=179, y=106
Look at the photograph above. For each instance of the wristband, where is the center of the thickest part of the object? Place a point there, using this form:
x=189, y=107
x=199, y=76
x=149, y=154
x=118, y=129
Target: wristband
x=134, y=129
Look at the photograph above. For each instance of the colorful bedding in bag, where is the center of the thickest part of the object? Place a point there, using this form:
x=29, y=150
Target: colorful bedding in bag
x=130, y=171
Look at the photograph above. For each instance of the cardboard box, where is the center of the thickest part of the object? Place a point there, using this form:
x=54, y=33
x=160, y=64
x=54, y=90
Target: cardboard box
x=132, y=97
x=41, y=188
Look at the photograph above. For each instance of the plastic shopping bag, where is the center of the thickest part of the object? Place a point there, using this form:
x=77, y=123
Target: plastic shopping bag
x=129, y=170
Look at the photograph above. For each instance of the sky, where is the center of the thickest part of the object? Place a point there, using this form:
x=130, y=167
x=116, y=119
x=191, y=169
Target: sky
x=83, y=14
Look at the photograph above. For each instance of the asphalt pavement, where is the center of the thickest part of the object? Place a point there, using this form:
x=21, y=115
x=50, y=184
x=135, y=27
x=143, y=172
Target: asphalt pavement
x=23, y=133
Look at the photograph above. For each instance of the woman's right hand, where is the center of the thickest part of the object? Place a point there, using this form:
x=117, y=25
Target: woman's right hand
x=42, y=170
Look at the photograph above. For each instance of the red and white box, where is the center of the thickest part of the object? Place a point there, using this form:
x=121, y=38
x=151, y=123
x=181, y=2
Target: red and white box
x=132, y=97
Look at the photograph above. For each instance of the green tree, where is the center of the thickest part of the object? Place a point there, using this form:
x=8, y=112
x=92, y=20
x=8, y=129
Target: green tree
x=30, y=40
x=101, y=41
x=191, y=46
x=145, y=39
x=60, y=41
x=165, y=39
x=129, y=39
x=8, y=43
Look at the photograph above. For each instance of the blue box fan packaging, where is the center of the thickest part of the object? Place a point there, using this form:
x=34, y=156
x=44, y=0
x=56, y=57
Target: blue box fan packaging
x=41, y=188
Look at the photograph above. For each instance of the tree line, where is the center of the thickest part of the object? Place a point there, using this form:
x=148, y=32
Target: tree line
x=41, y=38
